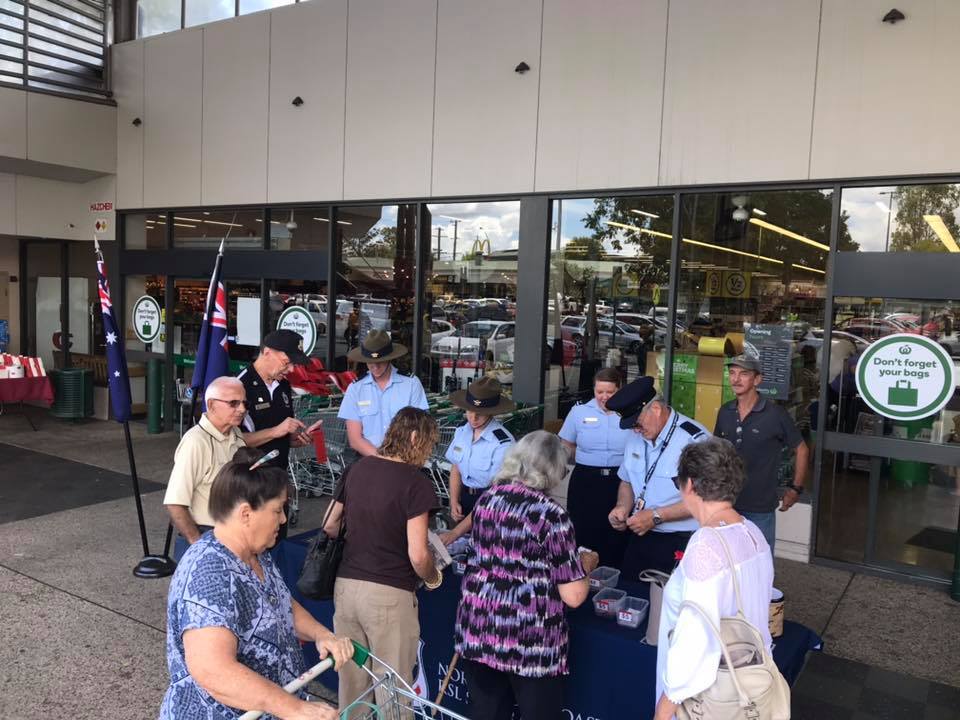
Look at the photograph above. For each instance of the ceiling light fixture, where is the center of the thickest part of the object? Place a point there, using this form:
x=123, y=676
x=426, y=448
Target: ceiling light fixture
x=343, y=222
x=937, y=224
x=192, y=227
x=883, y=207
x=645, y=214
x=788, y=233
x=758, y=211
x=809, y=269
x=322, y=219
x=694, y=242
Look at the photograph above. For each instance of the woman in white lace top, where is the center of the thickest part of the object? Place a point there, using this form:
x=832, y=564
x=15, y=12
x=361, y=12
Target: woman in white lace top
x=710, y=476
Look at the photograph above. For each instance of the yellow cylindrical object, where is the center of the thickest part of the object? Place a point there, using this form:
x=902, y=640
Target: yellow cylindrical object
x=715, y=346
x=736, y=339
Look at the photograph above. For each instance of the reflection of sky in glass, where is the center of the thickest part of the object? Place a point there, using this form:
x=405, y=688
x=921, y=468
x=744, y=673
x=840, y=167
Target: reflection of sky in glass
x=867, y=212
x=204, y=11
x=498, y=222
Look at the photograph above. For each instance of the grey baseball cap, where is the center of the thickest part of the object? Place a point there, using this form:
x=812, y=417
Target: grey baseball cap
x=747, y=362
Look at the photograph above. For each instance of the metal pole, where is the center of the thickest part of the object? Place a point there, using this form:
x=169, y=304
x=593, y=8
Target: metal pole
x=955, y=587
x=150, y=566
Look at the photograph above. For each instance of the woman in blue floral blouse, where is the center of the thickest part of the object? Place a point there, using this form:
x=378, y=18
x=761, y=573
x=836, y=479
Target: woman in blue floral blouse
x=233, y=630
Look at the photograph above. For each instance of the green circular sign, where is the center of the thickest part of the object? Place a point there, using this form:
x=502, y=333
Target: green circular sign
x=297, y=318
x=146, y=319
x=905, y=377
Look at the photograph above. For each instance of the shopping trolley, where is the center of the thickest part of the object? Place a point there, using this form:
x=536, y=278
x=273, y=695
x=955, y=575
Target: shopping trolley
x=438, y=465
x=389, y=697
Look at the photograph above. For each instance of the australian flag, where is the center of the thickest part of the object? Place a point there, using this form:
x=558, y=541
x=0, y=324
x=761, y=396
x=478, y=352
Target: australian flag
x=119, y=380
x=213, y=357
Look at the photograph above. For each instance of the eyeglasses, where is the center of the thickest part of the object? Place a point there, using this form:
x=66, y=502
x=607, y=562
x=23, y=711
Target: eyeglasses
x=677, y=481
x=234, y=404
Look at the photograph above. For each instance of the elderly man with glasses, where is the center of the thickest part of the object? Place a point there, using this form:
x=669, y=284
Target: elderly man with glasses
x=648, y=502
x=203, y=450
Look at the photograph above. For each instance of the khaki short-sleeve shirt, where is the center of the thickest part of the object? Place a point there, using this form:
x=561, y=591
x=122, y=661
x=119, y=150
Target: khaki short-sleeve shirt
x=202, y=451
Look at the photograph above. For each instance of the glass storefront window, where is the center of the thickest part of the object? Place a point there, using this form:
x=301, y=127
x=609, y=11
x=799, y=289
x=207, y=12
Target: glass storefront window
x=243, y=229
x=607, y=305
x=157, y=16
x=44, y=273
x=136, y=286
x=243, y=320
x=752, y=278
x=307, y=294
x=145, y=232
x=376, y=276
x=86, y=319
x=902, y=218
x=860, y=322
x=471, y=291
x=300, y=229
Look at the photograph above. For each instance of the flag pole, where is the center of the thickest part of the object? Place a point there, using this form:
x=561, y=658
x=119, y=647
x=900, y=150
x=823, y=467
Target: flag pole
x=150, y=566
x=208, y=325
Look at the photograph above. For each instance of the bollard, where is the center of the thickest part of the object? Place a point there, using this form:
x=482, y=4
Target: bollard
x=154, y=396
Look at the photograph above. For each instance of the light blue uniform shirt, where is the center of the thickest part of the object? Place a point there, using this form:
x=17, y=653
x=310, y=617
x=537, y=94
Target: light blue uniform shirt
x=597, y=435
x=376, y=408
x=661, y=492
x=479, y=461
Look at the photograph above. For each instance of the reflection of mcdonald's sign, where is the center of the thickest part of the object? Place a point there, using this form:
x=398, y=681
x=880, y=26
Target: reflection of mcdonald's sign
x=480, y=245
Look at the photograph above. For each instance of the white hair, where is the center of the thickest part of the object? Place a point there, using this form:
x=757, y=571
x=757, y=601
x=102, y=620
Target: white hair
x=538, y=460
x=221, y=383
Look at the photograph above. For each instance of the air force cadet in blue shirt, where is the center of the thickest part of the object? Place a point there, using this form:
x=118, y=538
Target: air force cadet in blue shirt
x=593, y=435
x=370, y=403
x=649, y=503
x=477, y=450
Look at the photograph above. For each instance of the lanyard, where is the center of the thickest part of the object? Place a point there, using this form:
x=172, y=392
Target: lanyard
x=663, y=446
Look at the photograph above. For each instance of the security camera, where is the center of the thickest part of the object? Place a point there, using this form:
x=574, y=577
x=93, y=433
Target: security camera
x=741, y=214
x=291, y=223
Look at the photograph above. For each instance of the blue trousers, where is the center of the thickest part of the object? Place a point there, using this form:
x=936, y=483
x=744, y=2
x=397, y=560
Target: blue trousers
x=767, y=523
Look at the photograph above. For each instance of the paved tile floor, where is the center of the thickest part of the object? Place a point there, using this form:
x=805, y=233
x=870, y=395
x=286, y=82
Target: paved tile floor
x=82, y=638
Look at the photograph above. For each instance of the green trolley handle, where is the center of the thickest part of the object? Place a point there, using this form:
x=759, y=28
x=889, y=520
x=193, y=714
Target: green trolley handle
x=360, y=656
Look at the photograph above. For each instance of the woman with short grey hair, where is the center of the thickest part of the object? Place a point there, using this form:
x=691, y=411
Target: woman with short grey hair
x=511, y=631
x=727, y=548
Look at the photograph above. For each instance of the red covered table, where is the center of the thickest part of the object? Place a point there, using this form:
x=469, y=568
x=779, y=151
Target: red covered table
x=21, y=390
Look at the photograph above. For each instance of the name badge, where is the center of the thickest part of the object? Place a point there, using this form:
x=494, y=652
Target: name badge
x=636, y=455
x=457, y=448
x=363, y=403
x=262, y=406
x=590, y=420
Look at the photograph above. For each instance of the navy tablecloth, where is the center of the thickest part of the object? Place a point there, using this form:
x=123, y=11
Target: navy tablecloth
x=612, y=669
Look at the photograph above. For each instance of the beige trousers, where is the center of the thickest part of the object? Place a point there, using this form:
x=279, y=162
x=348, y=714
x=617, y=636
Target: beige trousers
x=385, y=620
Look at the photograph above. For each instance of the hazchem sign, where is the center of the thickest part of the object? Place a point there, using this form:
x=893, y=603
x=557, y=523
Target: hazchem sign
x=906, y=377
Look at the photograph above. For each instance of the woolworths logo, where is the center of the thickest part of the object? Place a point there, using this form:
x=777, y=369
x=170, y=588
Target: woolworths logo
x=905, y=377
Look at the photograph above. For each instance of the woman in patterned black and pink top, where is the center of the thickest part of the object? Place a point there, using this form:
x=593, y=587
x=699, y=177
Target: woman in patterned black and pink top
x=511, y=631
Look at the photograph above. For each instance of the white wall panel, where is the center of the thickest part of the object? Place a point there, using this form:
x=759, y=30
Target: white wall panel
x=738, y=100
x=308, y=55
x=173, y=112
x=391, y=51
x=127, y=66
x=72, y=133
x=886, y=94
x=13, y=123
x=54, y=209
x=236, y=70
x=8, y=205
x=601, y=87
x=485, y=117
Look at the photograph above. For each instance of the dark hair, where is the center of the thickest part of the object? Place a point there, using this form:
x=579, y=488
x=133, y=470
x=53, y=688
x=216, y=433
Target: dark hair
x=714, y=468
x=236, y=484
x=611, y=375
x=396, y=443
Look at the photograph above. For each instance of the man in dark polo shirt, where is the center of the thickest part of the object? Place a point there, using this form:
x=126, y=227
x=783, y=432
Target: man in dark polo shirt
x=270, y=424
x=759, y=429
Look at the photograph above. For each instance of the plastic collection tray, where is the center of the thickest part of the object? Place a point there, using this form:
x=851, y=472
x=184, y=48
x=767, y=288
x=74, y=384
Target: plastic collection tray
x=632, y=612
x=608, y=602
x=604, y=577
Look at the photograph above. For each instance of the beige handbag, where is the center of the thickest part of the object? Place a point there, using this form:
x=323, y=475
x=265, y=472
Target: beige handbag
x=749, y=686
x=658, y=580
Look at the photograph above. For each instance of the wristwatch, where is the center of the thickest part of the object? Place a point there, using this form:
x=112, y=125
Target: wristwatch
x=656, y=518
x=798, y=489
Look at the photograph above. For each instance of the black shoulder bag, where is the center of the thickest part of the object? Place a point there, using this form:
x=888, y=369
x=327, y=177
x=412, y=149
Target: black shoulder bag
x=320, y=566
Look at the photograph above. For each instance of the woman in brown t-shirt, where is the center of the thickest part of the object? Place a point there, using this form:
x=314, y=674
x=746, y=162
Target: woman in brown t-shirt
x=385, y=504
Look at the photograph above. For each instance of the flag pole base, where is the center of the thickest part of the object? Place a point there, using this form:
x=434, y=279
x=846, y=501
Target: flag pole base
x=154, y=567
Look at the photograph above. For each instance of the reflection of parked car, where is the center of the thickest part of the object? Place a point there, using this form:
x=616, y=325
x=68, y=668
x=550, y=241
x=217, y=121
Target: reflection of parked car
x=619, y=334
x=440, y=329
x=871, y=329
x=318, y=311
x=491, y=336
x=931, y=328
x=379, y=314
